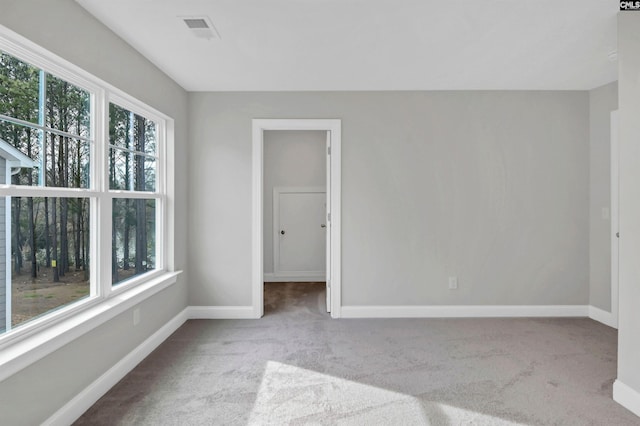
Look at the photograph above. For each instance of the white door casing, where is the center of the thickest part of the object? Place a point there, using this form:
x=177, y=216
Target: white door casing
x=615, y=214
x=299, y=237
x=327, y=218
x=333, y=127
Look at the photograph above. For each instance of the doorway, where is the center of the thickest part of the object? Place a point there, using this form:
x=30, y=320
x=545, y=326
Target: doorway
x=294, y=198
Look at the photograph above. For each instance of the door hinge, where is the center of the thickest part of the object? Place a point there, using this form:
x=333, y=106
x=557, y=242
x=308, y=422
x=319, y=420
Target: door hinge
x=328, y=150
x=328, y=217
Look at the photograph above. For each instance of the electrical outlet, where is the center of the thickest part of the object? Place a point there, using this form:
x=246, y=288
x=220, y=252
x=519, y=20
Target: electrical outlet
x=453, y=283
x=136, y=316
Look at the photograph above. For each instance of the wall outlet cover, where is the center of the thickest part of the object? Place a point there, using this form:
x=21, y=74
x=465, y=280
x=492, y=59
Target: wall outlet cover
x=453, y=283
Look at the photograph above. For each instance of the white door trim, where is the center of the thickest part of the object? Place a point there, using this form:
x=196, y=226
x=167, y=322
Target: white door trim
x=333, y=193
x=615, y=212
x=327, y=241
x=318, y=275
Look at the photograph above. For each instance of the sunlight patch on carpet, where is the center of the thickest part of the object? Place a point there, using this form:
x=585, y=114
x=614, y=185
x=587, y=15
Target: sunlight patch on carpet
x=293, y=395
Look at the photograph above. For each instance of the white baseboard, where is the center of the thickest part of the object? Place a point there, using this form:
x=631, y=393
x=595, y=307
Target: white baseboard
x=463, y=311
x=627, y=397
x=270, y=277
x=73, y=409
x=602, y=316
x=220, y=312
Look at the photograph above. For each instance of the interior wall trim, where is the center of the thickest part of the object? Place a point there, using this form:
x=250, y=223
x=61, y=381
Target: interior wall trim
x=626, y=396
x=333, y=127
x=600, y=315
x=220, y=312
x=465, y=311
x=310, y=278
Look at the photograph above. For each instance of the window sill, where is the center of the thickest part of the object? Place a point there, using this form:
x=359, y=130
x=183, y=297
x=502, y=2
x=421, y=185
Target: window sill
x=32, y=348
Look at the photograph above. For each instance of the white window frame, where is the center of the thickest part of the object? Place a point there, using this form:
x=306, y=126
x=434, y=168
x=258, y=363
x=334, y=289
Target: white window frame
x=40, y=336
x=159, y=194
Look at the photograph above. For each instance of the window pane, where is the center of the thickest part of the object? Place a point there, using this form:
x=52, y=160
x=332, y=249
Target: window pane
x=131, y=172
x=46, y=254
x=20, y=152
x=149, y=174
x=131, y=131
x=150, y=138
x=133, y=242
x=66, y=160
x=18, y=89
x=120, y=128
x=41, y=158
x=67, y=107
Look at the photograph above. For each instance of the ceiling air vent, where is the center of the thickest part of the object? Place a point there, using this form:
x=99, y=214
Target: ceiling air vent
x=196, y=23
x=201, y=26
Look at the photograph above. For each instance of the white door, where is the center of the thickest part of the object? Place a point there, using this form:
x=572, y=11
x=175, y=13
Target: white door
x=300, y=232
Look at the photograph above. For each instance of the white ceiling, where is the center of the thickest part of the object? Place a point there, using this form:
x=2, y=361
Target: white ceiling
x=273, y=45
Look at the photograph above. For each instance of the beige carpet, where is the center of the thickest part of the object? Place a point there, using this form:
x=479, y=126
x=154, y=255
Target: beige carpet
x=297, y=366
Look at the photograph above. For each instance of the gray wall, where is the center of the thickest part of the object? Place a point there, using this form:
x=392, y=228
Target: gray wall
x=629, y=128
x=291, y=158
x=490, y=186
x=82, y=40
x=602, y=101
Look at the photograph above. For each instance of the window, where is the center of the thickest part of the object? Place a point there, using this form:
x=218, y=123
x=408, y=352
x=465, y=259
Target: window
x=82, y=190
x=132, y=168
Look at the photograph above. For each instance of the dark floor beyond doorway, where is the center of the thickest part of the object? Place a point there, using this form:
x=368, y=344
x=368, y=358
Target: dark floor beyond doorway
x=292, y=297
x=298, y=366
